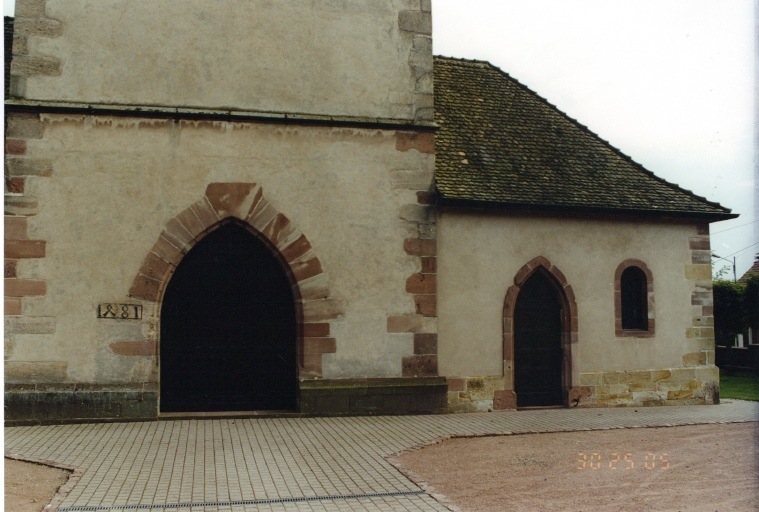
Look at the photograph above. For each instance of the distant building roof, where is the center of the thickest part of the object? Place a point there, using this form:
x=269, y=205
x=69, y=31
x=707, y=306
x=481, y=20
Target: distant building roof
x=502, y=145
x=753, y=270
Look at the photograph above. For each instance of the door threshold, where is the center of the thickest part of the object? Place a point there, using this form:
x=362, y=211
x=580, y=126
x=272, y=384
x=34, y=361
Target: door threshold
x=201, y=415
x=540, y=407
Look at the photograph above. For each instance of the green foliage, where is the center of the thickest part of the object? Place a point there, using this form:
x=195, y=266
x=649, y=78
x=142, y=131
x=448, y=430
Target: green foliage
x=740, y=387
x=751, y=301
x=730, y=315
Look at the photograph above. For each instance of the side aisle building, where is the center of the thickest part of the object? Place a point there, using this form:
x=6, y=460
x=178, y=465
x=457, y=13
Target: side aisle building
x=292, y=206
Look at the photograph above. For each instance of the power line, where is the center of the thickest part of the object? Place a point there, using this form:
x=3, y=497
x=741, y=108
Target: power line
x=736, y=227
x=749, y=247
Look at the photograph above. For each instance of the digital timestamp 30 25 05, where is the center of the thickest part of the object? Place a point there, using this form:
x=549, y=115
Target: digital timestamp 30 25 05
x=624, y=461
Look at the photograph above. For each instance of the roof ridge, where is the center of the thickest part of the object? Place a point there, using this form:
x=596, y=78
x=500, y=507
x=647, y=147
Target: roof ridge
x=587, y=130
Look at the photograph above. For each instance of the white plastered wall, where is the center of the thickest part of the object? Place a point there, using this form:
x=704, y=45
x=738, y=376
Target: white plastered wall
x=479, y=255
x=337, y=57
x=116, y=181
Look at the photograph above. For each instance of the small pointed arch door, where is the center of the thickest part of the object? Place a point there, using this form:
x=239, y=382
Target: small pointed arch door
x=228, y=328
x=538, y=353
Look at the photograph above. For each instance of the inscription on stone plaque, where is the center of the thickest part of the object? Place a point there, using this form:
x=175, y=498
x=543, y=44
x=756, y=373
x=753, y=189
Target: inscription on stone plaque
x=120, y=311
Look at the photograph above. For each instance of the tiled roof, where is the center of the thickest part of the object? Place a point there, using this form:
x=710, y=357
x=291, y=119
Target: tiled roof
x=753, y=270
x=500, y=144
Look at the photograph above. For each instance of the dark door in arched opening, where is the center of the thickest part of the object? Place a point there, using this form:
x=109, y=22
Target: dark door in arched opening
x=538, y=357
x=228, y=328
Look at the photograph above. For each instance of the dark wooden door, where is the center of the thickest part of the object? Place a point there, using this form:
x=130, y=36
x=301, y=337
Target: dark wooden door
x=228, y=328
x=537, y=343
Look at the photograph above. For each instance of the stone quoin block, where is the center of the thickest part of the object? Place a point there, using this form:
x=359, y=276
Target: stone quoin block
x=418, y=179
x=426, y=305
x=419, y=22
x=404, y=323
x=20, y=205
x=134, y=348
x=37, y=26
x=424, y=142
x=30, y=8
x=15, y=227
x=21, y=249
x=417, y=213
x=420, y=246
x=318, y=330
x=25, y=126
x=698, y=272
x=32, y=65
x=700, y=244
x=429, y=265
x=425, y=343
x=319, y=345
x=425, y=197
x=15, y=146
x=24, y=287
x=15, y=185
x=12, y=306
x=20, y=166
x=10, y=268
x=422, y=284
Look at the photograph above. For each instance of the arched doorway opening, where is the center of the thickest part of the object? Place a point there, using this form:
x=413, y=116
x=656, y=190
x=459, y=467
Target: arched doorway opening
x=539, y=335
x=228, y=328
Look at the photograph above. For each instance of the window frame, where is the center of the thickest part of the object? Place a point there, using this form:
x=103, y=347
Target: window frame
x=650, y=330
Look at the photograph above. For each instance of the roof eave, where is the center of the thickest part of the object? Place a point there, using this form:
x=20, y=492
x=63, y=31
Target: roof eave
x=581, y=211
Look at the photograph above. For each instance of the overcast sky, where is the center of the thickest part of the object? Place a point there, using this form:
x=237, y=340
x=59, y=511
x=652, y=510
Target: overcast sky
x=671, y=83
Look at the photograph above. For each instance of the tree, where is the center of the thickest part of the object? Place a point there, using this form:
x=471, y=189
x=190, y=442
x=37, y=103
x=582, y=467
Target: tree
x=730, y=311
x=751, y=302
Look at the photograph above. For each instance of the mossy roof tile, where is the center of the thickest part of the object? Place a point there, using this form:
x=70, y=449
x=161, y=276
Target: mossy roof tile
x=500, y=144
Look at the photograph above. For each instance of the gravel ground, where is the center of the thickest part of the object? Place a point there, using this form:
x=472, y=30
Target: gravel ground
x=687, y=468
x=29, y=486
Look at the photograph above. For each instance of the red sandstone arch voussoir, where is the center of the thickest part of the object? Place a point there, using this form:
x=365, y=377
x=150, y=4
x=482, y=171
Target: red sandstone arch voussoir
x=246, y=203
x=507, y=399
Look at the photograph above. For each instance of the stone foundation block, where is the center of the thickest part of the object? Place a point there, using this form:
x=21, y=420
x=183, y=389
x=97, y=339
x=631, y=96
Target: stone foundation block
x=339, y=397
x=27, y=407
x=504, y=399
x=30, y=325
x=35, y=371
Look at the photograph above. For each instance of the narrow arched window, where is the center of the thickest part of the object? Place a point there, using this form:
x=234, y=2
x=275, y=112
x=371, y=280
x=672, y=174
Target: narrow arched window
x=633, y=299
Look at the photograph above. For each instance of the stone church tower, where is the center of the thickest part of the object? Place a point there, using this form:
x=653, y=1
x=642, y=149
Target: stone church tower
x=163, y=153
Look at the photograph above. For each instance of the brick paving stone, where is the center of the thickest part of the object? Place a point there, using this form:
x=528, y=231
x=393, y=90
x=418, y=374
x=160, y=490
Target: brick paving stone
x=294, y=464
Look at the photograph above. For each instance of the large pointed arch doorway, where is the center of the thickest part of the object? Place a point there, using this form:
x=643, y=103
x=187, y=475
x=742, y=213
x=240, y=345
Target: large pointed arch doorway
x=538, y=343
x=228, y=328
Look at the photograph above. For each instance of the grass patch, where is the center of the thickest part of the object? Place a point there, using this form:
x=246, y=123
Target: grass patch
x=740, y=387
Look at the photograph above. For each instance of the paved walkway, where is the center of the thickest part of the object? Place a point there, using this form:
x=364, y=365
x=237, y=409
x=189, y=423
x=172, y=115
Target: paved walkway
x=294, y=464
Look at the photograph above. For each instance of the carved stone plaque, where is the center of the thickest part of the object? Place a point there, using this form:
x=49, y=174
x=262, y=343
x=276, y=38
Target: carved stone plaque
x=120, y=311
